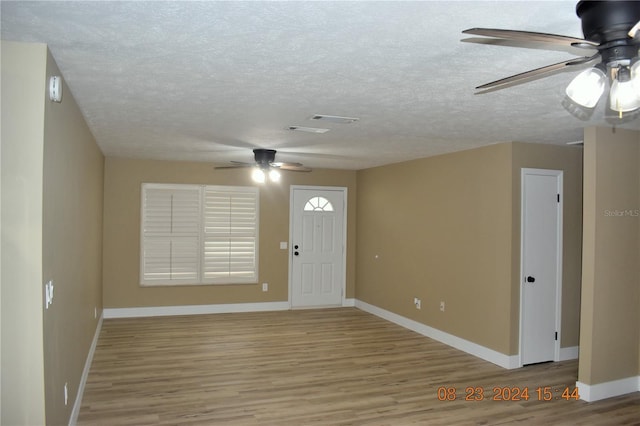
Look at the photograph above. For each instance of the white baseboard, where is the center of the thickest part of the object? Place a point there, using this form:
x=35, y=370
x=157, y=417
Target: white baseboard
x=605, y=390
x=568, y=353
x=85, y=373
x=161, y=311
x=349, y=303
x=500, y=359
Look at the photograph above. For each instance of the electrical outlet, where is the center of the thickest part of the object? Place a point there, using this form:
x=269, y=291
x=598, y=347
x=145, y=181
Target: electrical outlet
x=265, y=286
x=417, y=302
x=442, y=306
x=66, y=394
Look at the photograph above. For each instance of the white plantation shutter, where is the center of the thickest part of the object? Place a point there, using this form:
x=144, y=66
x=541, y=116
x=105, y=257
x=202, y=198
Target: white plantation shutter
x=194, y=234
x=170, y=233
x=230, y=234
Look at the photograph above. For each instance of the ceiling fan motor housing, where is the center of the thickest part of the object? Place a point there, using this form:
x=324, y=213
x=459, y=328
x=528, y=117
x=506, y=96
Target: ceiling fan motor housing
x=264, y=157
x=607, y=23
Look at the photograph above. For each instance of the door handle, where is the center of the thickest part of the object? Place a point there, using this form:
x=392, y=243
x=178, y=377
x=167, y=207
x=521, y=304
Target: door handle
x=530, y=279
x=295, y=253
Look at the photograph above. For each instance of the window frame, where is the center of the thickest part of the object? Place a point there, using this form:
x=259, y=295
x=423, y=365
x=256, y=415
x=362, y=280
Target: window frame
x=326, y=206
x=202, y=236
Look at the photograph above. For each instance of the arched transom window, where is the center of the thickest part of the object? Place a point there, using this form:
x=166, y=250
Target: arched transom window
x=318, y=204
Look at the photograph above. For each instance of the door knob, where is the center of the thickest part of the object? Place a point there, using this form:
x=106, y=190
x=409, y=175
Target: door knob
x=295, y=253
x=530, y=279
x=295, y=247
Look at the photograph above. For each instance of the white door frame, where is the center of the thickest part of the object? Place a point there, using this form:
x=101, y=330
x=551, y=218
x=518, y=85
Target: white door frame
x=558, y=320
x=342, y=189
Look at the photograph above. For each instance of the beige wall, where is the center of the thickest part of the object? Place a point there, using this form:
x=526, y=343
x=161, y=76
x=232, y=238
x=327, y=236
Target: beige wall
x=123, y=178
x=71, y=247
x=610, y=315
x=23, y=90
x=447, y=228
x=440, y=228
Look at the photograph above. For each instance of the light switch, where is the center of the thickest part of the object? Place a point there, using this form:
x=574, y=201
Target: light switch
x=48, y=294
x=283, y=245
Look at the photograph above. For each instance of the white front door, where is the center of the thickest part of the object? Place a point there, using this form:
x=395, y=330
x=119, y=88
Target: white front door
x=541, y=265
x=317, y=247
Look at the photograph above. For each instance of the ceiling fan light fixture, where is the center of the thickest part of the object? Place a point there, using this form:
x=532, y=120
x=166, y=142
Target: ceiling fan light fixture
x=623, y=97
x=274, y=175
x=587, y=87
x=258, y=175
x=635, y=75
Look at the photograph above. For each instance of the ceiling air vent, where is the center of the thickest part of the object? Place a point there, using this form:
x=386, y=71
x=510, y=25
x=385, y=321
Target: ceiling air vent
x=335, y=118
x=307, y=129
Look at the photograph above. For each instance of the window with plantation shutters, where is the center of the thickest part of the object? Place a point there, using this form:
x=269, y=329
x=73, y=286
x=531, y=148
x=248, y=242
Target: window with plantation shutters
x=197, y=234
x=230, y=234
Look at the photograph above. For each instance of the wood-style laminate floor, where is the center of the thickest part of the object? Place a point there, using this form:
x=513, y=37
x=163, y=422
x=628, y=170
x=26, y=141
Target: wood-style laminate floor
x=319, y=367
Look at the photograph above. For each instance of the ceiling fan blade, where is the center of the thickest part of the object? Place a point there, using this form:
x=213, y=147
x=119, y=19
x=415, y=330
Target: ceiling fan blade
x=279, y=164
x=532, y=37
x=235, y=165
x=294, y=167
x=570, y=50
x=634, y=32
x=528, y=75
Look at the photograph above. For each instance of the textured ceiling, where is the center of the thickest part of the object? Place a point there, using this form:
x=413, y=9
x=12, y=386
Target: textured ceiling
x=207, y=81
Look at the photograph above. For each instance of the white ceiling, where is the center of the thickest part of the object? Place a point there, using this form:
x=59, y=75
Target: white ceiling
x=207, y=81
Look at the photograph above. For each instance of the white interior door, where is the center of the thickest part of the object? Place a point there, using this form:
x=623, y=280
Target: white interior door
x=317, y=246
x=541, y=265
